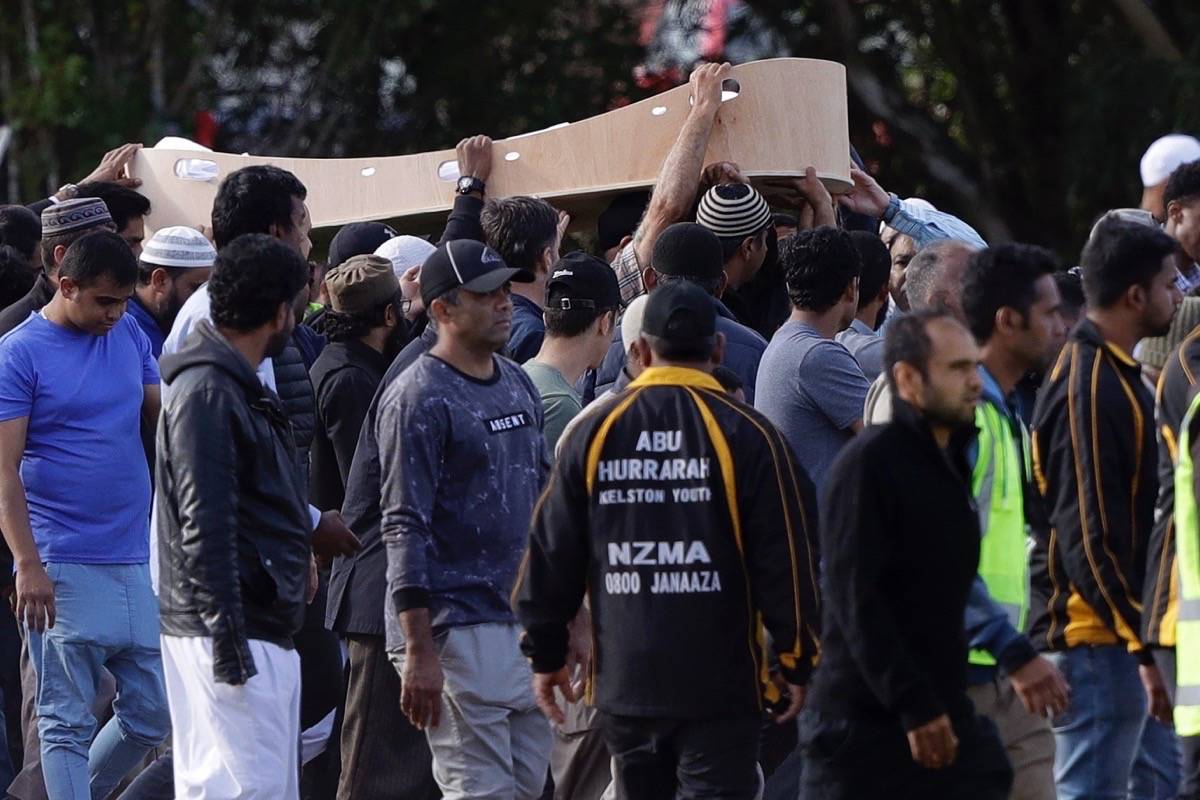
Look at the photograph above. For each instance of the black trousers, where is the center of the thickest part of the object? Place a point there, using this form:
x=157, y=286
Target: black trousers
x=848, y=759
x=383, y=756
x=672, y=758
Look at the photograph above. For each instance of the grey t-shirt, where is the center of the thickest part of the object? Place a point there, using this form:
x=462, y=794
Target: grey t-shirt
x=462, y=463
x=865, y=345
x=813, y=390
x=560, y=402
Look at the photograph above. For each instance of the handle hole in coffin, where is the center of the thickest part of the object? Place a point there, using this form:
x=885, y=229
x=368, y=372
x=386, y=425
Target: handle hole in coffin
x=197, y=169
x=658, y=111
x=512, y=156
x=367, y=172
x=448, y=171
x=730, y=89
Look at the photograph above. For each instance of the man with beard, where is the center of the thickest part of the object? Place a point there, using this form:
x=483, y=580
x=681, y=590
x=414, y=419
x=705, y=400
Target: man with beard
x=173, y=265
x=1094, y=460
x=234, y=533
x=462, y=461
x=1012, y=305
x=899, y=550
x=365, y=325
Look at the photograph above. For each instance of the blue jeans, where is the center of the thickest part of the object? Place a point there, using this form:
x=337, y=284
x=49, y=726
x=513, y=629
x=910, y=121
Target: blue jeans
x=107, y=618
x=1105, y=732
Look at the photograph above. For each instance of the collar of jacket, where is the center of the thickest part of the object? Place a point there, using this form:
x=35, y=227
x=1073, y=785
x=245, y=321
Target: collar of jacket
x=961, y=439
x=43, y=289
x=206, y=345
x=1086, y=331
x=676, y=376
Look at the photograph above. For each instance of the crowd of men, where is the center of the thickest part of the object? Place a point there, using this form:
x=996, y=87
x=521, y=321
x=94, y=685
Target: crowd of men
x=771, y=494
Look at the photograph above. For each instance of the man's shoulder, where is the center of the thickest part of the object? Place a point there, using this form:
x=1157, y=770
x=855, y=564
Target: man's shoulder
x=25, y=331
x=737, y=333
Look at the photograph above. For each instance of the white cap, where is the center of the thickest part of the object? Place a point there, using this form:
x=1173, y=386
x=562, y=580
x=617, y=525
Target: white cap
x=405, y=252
x=1166, y=154
x=178, y=246
x=631, y=323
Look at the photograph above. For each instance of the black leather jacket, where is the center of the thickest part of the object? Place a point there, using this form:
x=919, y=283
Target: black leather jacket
x=234, y=529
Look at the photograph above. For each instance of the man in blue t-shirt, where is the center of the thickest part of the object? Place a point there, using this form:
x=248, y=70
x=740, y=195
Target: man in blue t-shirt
x=76, y=379
x=808, y=384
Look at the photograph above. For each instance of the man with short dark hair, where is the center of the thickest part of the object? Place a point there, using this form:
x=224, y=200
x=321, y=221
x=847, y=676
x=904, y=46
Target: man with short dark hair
x=809, y=384
x=582, y=298
x=62, y=225
x=1181, y=200
x=173, y=265
x=21, y=229
x=268, y=200
x=128, y=209
x=1012, y=307
x=1094, y=462
x=526, y=232
x=365, y=325
x=862, y=338
x=683, y=517
x=382, y=754
x=83, y=589
x=888, y=714
x=462, y=462
x=234, y=558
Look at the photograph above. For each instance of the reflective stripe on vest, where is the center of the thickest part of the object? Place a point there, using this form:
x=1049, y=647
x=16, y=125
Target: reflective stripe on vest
x=1187, y=556
x=998, y=482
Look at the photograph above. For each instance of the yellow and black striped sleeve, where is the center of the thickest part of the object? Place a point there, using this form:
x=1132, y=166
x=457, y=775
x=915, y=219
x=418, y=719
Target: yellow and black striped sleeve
x=777, y=503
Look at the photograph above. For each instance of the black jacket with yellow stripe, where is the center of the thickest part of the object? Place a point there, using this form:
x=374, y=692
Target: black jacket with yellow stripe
x=1160, y=595
x=684, y=517
x=1095, y=466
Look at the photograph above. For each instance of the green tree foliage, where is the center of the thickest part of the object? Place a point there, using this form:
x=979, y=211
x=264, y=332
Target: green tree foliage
x=298, y=77
x=1026, y=117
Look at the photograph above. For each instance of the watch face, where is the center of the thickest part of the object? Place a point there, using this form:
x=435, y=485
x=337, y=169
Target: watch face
x=465, y=183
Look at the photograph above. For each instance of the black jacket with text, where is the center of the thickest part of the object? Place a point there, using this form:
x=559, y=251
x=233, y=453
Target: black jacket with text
x=233, y=523
x=684, y=517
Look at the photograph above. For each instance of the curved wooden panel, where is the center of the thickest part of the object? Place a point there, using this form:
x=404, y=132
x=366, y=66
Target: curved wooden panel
x=790, y=113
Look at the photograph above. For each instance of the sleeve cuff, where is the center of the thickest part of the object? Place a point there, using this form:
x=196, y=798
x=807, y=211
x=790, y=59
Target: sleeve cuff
x=1018, y=653
x=546, y=647
x=1145, y=657
x=314, y=515
x=411, y=597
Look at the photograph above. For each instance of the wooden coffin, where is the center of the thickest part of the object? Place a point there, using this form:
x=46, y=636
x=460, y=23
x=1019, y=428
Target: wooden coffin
x=788, y=114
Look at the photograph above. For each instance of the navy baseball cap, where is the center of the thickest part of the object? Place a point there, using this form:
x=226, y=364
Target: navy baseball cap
x=466, y=264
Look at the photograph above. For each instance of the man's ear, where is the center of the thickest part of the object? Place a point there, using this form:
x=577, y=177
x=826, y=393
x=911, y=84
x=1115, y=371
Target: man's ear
x=649, y=279
x=909, y=381
x=718, y=353
x=160, y=279
x=722, y=283
x=282, y=314
x=641, y=348
x=67, y=287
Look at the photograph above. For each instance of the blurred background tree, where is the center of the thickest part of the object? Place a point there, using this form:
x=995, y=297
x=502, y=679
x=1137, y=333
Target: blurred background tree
x=1025, y=117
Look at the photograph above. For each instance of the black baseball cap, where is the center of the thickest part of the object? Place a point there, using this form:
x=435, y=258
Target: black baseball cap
x=688, y=250
x=358, y=239
x=680, y=312
x=584, y=281
x=466, y=264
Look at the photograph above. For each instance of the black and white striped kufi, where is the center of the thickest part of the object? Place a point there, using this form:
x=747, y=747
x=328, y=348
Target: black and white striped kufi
x=733, y=210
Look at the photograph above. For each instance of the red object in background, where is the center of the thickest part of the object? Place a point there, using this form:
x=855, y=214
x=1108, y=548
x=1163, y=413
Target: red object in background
x=206, y=128
x=883, y=136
